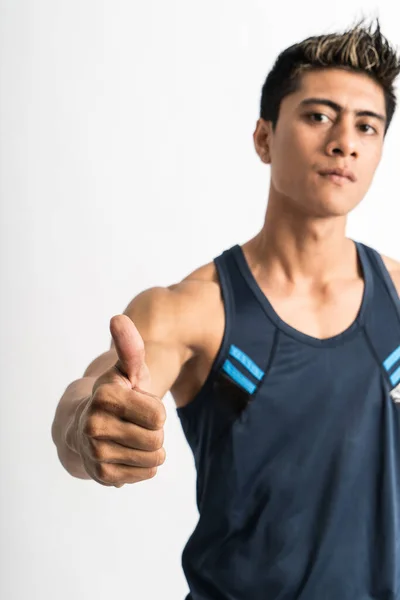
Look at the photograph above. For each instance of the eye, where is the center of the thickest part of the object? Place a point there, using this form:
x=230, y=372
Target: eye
x=316, y=117
x=372, y=130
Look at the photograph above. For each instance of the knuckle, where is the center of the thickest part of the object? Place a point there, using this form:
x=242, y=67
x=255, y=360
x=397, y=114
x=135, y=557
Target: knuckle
x=151, y=472
x=100, y=470
x=94, y=426
x=158, y=419
x=104, y=397
x=161, y=455
x=162, y=416
x=90, y=426
x=160, y=438
x=98, y=450
x=101, y=395
x=107, y=473
x=152, y=420
x=156, y=440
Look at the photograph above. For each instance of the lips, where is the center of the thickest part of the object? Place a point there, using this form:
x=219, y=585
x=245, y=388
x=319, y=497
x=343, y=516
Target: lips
x=344, y=173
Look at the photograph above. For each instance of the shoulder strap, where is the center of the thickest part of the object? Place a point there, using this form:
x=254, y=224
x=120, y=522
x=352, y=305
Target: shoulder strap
x=245, y=354
x=382, y=323
x=250, y=335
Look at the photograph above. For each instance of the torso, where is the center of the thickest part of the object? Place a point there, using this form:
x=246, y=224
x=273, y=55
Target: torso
x=323, y=314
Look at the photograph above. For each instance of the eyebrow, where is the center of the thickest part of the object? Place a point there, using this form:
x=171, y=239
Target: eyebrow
x=337, y=108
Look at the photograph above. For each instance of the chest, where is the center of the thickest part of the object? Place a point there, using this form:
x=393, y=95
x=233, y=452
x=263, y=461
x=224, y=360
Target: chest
x=321, y=314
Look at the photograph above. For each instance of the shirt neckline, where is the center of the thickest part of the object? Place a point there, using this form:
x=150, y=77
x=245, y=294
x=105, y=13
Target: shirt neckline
x=339, y=338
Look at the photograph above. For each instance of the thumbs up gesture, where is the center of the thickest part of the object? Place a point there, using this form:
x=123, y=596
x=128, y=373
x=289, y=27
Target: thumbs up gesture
x=119, y=433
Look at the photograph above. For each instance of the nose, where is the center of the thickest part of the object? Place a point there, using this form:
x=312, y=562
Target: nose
x=343, y=140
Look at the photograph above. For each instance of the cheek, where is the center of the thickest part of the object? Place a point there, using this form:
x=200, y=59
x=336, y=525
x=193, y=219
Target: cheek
x=290, y=166
x=367, y=173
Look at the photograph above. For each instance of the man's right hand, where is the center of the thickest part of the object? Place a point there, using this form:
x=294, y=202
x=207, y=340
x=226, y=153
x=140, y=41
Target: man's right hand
x=119, y=433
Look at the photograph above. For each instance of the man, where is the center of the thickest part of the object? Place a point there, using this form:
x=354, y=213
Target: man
x=282, y=356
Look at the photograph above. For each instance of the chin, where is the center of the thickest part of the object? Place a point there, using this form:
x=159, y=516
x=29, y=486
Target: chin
x=332, y=205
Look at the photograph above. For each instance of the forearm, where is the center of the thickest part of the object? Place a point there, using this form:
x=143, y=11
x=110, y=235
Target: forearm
x=70, y=406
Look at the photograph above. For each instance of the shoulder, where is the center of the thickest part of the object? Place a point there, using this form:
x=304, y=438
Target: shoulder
x=198, y=288
x=393, y=266
x=199, y=299
x=180, y=311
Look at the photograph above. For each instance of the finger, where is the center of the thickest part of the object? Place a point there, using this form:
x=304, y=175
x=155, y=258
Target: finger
x=130, y=350
x=109, y=428
x=133, y=406
x=109, y=474
x=112, y=453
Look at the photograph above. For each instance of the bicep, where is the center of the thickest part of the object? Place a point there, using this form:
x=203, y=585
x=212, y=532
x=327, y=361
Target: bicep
x=156, y=313
x=164, y=362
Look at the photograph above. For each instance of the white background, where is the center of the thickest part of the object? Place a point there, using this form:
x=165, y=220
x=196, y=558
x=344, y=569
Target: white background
x=127, y=161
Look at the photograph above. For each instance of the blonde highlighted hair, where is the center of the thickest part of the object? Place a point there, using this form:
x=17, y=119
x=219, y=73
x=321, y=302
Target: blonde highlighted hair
x=359, y=49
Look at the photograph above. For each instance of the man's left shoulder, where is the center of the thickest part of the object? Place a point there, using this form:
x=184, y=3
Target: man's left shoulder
x=393, y=266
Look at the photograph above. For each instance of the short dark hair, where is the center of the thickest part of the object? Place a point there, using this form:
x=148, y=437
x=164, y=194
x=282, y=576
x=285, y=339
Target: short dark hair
x=358, y=49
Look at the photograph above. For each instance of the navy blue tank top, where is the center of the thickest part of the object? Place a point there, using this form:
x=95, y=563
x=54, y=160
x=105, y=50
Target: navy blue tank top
x=296, y=443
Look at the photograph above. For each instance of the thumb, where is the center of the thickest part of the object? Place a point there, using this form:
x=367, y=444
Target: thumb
x=130, y=349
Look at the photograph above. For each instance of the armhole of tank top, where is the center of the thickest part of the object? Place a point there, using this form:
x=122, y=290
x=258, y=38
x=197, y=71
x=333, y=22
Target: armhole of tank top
x=227, y=299
x=383, y=272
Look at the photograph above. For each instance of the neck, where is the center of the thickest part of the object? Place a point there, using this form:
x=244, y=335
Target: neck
x=300, y=246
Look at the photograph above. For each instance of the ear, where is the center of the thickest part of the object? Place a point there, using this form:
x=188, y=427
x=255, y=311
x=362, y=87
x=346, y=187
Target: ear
x=262, y=139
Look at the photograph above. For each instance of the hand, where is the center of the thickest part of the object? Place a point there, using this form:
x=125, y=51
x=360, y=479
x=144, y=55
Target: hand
x=119, y=433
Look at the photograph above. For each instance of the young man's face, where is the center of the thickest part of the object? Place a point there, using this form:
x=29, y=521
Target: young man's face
x=312, y=136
